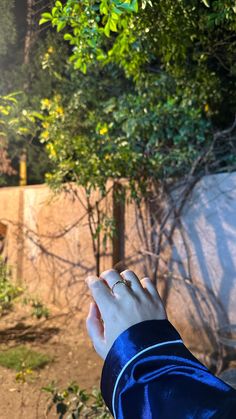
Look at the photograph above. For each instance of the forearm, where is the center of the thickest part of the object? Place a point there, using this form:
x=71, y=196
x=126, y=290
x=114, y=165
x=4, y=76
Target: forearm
x=149, y=373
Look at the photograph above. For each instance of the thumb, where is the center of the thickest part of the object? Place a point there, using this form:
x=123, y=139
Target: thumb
x=94, y=326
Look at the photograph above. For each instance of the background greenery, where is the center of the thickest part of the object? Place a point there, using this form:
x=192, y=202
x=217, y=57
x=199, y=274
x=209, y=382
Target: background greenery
x=133, y=89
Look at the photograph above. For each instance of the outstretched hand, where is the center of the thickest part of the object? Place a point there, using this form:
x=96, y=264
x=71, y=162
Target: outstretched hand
x=110, y=314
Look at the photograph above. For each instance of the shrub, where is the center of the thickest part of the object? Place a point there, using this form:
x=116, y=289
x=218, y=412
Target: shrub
x=8, y=291
x=76, y=402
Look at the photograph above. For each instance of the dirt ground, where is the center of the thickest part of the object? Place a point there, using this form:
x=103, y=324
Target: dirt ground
x=64, y=337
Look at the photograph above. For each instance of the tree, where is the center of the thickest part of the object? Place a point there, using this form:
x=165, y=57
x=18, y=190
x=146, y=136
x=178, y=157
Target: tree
x=150, y=85
x=6, y=106
x=21, y=71
x=172, y=55
x=7, y=26
x=98, y=133
x=193, y=41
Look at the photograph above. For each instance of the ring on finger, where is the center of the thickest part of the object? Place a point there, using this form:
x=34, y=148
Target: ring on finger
x=123, y=281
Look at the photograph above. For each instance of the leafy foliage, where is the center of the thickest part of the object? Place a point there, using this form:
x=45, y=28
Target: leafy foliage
x=19, y=130
x=154, y=82
x=7, y=26
x=8, y=291
x=13, y=124
x=136, y=134
x=76, y=402
x=6, y=119
x=93, y=18
x=162, y=61
x=39, y=309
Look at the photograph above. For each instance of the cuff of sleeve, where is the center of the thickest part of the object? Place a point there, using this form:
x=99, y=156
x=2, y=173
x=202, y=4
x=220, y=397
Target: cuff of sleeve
x=130, y=343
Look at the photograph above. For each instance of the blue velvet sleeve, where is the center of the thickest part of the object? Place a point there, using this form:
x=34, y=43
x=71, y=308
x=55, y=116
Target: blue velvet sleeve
x=149, y=374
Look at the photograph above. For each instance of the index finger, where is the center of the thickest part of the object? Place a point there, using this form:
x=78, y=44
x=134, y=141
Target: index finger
x=100, y=293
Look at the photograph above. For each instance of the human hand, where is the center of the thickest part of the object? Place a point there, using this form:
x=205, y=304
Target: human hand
x=110, y=314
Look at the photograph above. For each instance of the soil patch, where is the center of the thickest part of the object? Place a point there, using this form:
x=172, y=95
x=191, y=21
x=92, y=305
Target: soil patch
x=63, y=337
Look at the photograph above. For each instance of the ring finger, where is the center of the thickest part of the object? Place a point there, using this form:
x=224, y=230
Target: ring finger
x=111, y=276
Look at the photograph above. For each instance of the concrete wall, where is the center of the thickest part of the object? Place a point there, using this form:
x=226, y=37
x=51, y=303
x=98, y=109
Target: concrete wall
x=48, y=244
x=204, y=253
x=209, y=223
x=197, y=273
x=49, y=247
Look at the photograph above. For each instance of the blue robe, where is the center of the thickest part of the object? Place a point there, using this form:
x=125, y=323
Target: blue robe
x=148, y=373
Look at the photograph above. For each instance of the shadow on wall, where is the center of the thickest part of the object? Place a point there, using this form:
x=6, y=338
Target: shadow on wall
x=194, y=250
x=196, y=266
x=49, y=241
x=204, y=254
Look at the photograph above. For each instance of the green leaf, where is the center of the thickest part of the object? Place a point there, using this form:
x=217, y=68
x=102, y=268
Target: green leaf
x=58, y=4
x=104, y=8
x=101, y=56
x=117, y=11
x=12, y=99
x=107, y=29
x=78, y=63
x=7, y=97
x=37, y=115
x=113, y=26
x=43, y=21
x=206, y=3
x=23, y=130
x=68, y=37
x=129, y=7
x=135, y=5
x=54, y=11
x=83, y=68
x=61, y=25
x=47, y=16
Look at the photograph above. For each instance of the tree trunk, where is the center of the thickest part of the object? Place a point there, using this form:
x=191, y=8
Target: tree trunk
x=29, y=31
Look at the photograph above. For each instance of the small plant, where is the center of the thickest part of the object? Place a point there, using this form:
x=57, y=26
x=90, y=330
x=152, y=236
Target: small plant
x=23, y=359
x=39, y=309
x=76, y=403
x=8, y=291
x=25, y=375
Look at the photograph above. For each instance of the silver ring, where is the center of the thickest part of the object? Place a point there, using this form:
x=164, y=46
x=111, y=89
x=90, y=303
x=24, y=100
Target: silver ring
x=124, y=282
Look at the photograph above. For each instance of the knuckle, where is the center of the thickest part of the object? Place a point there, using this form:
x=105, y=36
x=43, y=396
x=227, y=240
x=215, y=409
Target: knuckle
x=127, y=272
x=146, y=279
x=96, y=285
x=108, y=272
x=91, y=281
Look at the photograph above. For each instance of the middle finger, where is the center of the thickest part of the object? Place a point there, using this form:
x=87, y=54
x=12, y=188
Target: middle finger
x=111, y=276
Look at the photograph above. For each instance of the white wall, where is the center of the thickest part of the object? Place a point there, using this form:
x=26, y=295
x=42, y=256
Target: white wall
x=209, y=221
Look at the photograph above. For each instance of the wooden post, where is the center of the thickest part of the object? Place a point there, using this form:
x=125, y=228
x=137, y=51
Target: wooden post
x=23, y=169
